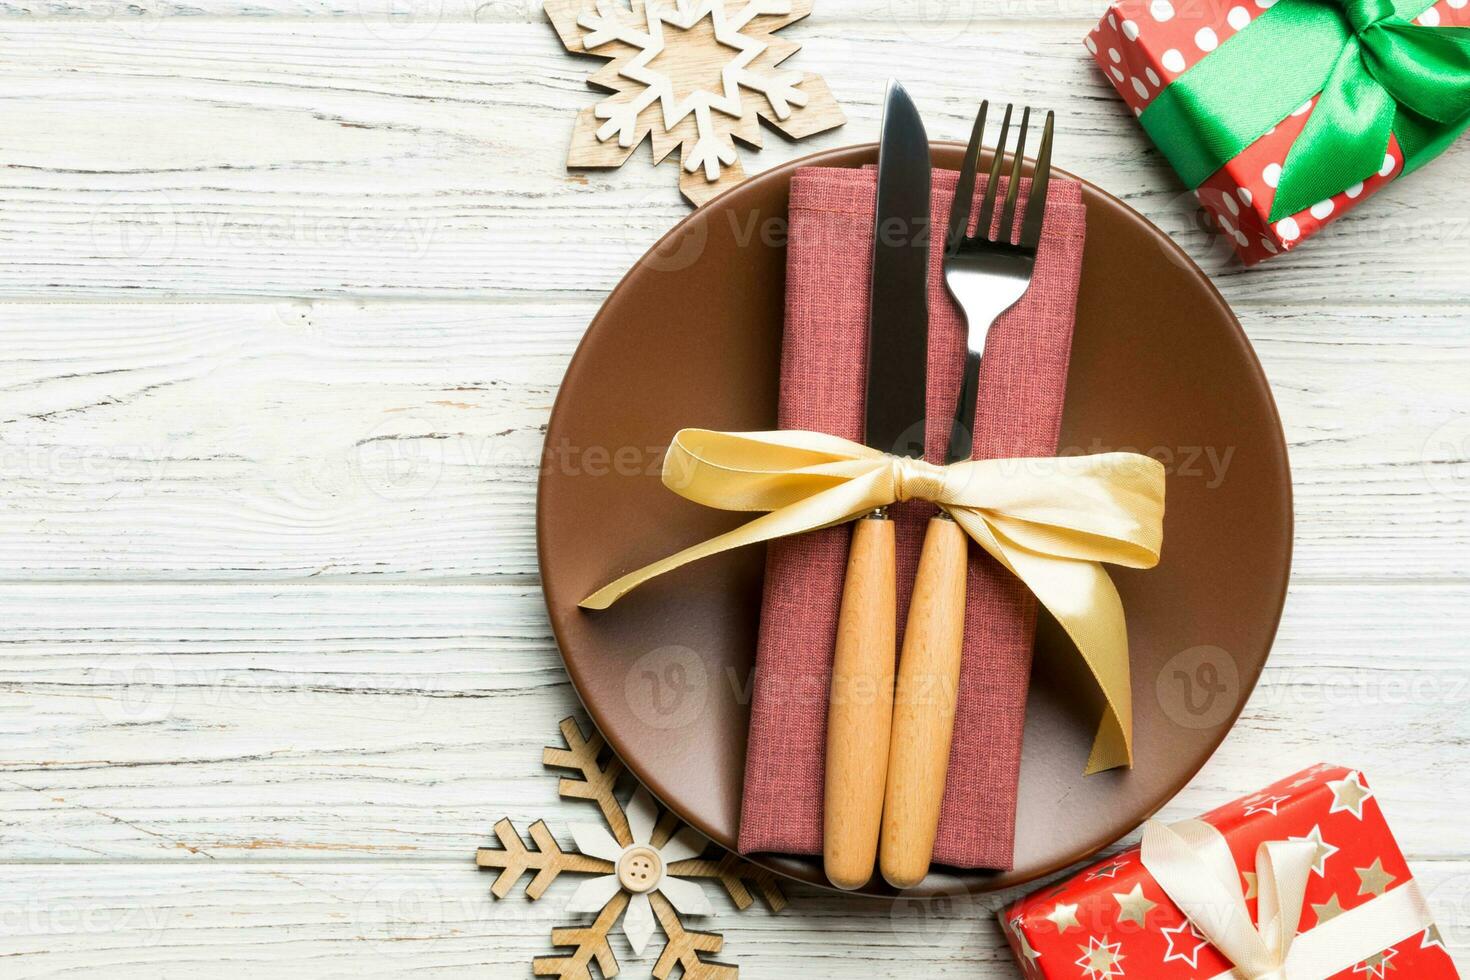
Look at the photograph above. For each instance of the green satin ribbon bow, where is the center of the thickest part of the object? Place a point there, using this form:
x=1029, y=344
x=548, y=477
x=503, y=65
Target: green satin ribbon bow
x=1378, y=74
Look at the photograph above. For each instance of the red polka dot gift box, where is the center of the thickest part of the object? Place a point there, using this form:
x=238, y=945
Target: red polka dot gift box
x=1283, y=115
x=1301, y=881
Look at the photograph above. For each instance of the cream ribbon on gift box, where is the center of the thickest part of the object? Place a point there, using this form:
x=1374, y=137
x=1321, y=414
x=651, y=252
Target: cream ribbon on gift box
x=1191, y=861
x=1050, y=521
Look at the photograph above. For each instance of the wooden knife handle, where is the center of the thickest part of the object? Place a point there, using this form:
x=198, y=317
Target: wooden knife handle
x=924, y=705
x=860, y=711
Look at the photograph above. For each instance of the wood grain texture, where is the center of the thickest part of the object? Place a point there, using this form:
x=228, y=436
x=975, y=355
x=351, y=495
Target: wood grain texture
x=333, y=918
x=924, y=705
x=672, y=82
x=275, y=658
x=403, y=440
x=860, y=711
x=244, y=159
x=956, y=16
x=232, y=721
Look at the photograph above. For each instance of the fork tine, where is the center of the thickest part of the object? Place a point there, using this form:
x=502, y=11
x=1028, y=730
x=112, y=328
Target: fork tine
x=1036, y=202
x=964, y=193
x=987, y=206
x=1013, y=186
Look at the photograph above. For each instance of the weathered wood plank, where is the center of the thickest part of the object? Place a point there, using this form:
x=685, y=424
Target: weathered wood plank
x=418, y=18
x=292, y=440
x=274, y=658
x=317, y=158
x=176, y=722
x=416, y=918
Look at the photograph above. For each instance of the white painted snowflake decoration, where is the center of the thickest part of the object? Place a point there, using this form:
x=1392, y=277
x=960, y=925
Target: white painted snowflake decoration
x=695, y=74
x=639, y=869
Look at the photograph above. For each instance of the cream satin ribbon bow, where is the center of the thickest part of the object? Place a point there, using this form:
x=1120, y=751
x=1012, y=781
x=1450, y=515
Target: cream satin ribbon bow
x=1050, y=521
x=1191, y=861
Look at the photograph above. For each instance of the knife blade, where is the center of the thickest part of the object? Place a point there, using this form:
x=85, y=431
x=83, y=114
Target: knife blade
x=898, y=312
x=860, y=710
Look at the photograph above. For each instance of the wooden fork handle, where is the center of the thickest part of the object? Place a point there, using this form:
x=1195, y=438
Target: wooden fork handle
x=924, y=705
x=860, y=711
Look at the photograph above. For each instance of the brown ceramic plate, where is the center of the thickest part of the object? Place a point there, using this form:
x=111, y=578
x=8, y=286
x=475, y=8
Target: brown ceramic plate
x=692, y=337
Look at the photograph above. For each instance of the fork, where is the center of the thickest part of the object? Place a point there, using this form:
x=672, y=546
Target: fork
x=986, y=273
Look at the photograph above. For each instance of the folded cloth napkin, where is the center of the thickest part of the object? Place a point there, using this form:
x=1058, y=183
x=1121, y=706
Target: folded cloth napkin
x=823, y=370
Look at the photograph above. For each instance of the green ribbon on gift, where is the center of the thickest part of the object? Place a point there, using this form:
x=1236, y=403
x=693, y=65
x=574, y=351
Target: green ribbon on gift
x=1378, y=74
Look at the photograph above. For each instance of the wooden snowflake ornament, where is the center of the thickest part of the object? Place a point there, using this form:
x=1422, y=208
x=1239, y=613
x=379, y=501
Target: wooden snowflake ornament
x=693, y=74
x=645, y=867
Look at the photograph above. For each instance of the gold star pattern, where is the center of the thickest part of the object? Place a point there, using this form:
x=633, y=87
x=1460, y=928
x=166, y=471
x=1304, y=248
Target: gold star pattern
x=1328, y=910
x=1031, y=954
x=1252, y=886
x=1133, y=907
x=1064, y=917
x=1324, y=850
x=1378, y=964
x=1109, y=870
x=1373, y=880
x=1100, y=959
x=1185, y=942
x=1348, y=795
x=1433, y=938
x=1267, y=805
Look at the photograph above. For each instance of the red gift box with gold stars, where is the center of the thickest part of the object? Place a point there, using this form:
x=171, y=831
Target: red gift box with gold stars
x=1361, y=915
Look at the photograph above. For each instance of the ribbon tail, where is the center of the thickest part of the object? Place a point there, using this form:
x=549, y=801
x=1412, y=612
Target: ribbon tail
x=1422, y=139
x=1191, y=861
x=1345, y=138
x=837, y=505
x=1282, y=871
x=1112, y=746
x=1083, y=599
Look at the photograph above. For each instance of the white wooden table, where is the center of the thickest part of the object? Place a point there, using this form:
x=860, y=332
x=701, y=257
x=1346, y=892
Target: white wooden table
x=288, y=289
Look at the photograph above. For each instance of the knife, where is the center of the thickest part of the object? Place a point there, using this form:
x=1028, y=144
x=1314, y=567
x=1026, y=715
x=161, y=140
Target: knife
x=860, y=710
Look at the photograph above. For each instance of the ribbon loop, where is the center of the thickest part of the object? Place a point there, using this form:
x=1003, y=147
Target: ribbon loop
x=1192, y=863
x=1425, y=69
x=1050, y=522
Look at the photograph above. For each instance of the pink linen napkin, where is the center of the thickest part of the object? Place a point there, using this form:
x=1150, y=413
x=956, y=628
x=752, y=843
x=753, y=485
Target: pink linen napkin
x=823, y=370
